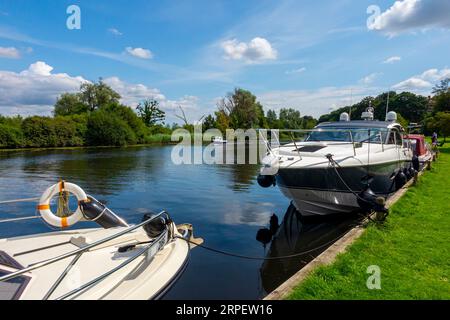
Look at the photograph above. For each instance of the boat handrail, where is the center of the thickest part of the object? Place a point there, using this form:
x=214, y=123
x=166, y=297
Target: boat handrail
x=263, y=135
x=108, y=273
x=80, y=250
x=325, y=130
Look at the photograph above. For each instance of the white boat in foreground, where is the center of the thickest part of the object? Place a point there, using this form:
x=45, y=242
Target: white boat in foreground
x=117, y=261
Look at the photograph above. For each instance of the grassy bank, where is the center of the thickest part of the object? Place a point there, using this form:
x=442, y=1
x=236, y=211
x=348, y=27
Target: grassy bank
x=411, y=248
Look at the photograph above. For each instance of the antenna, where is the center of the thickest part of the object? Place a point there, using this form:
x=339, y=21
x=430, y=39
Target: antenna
x=387, y=103
x=351, y=103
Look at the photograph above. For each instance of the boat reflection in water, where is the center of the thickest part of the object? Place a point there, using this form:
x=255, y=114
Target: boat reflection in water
x=297, y=234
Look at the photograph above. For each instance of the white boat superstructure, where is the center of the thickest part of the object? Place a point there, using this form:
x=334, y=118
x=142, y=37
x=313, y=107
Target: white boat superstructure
x=219, y=140
x=135, y=262
x=325, y=171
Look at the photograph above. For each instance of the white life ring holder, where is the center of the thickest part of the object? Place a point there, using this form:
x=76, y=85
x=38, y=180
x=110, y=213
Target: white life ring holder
x=49, y=216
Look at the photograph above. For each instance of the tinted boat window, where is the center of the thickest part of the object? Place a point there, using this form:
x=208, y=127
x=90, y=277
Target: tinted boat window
x=359, y=135
x=12, y=289
x=398, y=138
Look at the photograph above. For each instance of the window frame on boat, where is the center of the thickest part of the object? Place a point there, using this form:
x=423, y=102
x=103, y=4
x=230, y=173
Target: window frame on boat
x=350, y=135
x=7, y=266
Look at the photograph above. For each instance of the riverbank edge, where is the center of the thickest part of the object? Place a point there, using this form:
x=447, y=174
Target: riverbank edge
x=89, y=147
x=340, y=247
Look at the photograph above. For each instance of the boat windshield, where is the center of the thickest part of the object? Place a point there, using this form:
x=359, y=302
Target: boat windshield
x=347, y=134
x=13, y=288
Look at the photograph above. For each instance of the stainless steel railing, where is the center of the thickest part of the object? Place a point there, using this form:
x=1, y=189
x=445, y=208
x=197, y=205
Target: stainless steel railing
x=123, y=264
x=81, y=250
x=275, y=133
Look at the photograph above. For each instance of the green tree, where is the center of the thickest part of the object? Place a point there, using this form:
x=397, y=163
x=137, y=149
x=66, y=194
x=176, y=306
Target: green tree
x=97, y=95
x=443, y=124
x=400, y=119
x=442, y=87
x=150, y=112
x=209, y=123
x=15, y=121
x=272, y=119
x=38, y=132
x=10, y=137
x=441, y=99
x=222, y=121
x=290, y=119
x=69, y=104
x=242, y=109
x=107, y=129
x=131, y=119
x=411, y=106
x=61, y=131
x=308, y=122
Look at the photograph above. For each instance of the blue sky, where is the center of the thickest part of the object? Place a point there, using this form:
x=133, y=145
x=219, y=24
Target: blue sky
x=313, y=56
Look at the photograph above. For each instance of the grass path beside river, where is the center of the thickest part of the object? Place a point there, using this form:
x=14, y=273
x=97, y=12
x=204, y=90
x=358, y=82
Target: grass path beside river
x=412, y=249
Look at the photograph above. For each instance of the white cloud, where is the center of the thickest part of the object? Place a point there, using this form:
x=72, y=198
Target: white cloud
x=9, y=52
x=370, y=78
x=315, y=102
x=412, y=84
x=424, y=82
x=392, y=60
x=133, y=93
x=411, y=15
x=115, y=32
x=38, y=68
x=296, y=71
x=256, y=50
x=139, y=53
x=35, y=90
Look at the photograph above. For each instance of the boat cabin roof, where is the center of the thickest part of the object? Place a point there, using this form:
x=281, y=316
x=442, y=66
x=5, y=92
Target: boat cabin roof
x=358, y=124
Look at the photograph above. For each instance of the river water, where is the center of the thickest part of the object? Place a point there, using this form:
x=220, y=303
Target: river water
x=223, y=202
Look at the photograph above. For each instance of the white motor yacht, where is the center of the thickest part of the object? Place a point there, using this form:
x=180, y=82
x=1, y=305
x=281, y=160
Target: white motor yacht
x=340, y=167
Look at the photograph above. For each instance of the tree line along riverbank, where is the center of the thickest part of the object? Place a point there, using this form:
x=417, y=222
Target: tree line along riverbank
x=94, y=116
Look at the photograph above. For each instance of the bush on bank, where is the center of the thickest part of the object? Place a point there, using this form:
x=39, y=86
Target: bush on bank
x=106, y=129
x=10, y=137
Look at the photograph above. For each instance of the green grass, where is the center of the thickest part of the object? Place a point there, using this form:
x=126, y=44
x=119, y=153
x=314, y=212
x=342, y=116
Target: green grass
x=158, y=138
x=412, y=249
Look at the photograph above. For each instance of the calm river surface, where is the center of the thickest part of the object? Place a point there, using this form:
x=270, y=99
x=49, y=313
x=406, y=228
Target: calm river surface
x=223, y=202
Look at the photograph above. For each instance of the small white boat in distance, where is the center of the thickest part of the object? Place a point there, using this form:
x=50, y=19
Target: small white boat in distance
x=219, y=140
x=118, y=261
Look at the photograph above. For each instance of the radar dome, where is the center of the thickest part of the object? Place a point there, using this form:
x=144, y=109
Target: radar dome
x=344, y=117
x=391, y=116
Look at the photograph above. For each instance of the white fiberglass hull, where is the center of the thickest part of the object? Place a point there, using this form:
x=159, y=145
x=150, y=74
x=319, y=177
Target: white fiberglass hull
x=141, y=279
x=318, y=202
x=318, y=186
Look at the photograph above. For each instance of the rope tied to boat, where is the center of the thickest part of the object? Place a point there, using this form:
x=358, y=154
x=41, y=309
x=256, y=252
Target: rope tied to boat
x=241, y=256
x=63, y=209
x=377, y=205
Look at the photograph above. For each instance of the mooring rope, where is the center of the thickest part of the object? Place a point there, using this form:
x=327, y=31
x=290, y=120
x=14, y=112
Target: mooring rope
x=261, y=258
